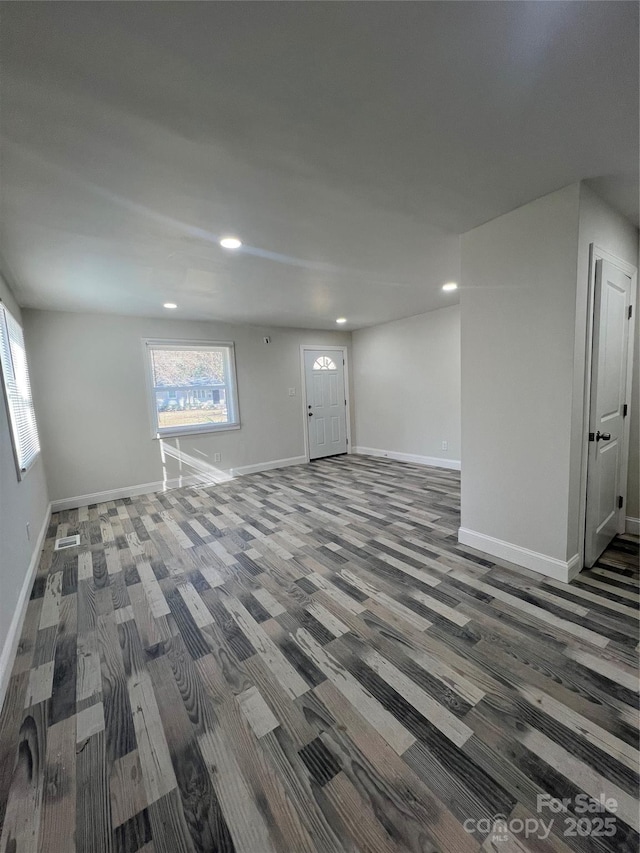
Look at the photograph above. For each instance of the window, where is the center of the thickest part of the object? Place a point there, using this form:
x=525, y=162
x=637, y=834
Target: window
x=324, y=363
x=15, y=374
x=193, y=387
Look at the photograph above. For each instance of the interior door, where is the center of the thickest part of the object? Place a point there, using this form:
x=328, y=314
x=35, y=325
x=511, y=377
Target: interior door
x=326, y=403
x=611, y=325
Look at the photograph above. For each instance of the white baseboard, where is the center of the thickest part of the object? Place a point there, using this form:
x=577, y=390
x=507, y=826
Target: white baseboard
x=561, y=570
x=632, y=525
x=268, y=466
x=433, y=461
x=176, y=483
x=10, y=647
x=126, y=492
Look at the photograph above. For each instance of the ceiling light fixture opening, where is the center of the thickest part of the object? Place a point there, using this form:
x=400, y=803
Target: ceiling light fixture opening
x=230, y=243
x=341, y=320
x=170, y=305
x=450, y=285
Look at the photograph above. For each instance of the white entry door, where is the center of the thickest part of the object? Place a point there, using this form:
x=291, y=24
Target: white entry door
x=326, y=402
x=609, y=398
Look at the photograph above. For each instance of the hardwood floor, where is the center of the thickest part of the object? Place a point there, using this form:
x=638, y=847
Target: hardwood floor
x=306, y=660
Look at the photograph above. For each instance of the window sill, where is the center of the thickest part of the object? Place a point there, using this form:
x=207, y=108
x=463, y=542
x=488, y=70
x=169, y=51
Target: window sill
x=23, y=472
x=183, y=432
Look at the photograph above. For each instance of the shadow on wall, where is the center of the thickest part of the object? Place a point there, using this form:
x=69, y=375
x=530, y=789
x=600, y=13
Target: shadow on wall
x=189, y=467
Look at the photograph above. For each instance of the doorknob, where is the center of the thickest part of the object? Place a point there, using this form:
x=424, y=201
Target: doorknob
x=605, y=436
x=310, y=414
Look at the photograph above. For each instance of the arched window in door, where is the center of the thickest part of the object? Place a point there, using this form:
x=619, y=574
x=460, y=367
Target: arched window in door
x=324, y=363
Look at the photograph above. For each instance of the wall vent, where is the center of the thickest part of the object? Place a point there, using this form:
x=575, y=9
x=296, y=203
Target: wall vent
x=67, y=542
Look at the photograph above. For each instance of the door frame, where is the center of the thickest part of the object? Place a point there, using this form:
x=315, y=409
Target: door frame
x=596, y=253
x=303, y=386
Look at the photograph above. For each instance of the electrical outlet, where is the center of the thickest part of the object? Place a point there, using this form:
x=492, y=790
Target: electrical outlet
x=28, y=526
x=445, y=445
x=292, y=392
x=217, y=457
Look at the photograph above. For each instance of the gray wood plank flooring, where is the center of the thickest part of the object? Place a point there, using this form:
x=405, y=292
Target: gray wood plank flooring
x=307, y=660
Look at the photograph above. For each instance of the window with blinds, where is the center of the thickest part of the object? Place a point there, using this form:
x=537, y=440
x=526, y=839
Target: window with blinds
x=15, y=375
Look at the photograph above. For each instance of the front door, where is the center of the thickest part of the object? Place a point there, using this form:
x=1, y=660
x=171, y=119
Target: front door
x=609, y=394
x=326, y=402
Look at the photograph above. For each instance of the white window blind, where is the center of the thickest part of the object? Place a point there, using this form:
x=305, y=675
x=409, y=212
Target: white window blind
x=15, y=374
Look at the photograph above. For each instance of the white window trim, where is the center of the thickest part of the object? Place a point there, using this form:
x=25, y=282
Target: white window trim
x=231, y=385
x=21, y=471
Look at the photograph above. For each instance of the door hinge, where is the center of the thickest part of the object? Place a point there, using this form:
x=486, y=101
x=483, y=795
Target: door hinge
x=625, y=409
x=592, y=436
x=630, y=311
x=620, y=501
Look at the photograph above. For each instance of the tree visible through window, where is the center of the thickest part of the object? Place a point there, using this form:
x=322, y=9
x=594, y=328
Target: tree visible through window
x=324, y=363
x=193, y=385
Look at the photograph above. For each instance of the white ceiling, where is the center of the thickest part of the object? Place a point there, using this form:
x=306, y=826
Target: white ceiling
x=347, y=144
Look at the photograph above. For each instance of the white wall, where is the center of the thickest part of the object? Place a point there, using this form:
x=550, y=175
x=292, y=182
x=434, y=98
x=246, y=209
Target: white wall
x=88, y=376
x=599, y=224
x=21, y=503
x=518, y=304
x=407, y=385
x=524, y=323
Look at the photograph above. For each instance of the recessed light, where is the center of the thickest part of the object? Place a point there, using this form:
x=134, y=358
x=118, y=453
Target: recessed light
x=170, y=305
x=450, y=285
x=341, y=320
x=230, y=243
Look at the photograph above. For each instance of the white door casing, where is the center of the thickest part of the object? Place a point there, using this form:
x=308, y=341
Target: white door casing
x=607, y=461
x=326, y=408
